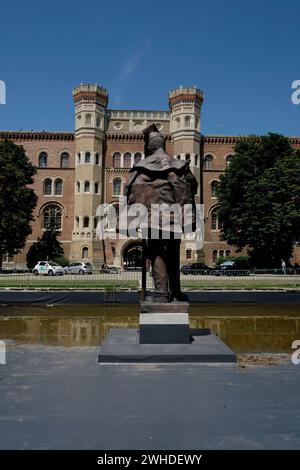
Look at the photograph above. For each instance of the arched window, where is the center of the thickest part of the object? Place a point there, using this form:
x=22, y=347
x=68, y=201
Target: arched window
x=88, y=119
x=77, y=222
x=52, y=216
x=188, y=253
x=95, y=222
x=228, y=252
x=113, y=251
x=87, y=157
x=58, y=187
x=178, y=157
x=86, y=186
x=214, y=219
x=98, y=121
x=188, y=157
x=64, y=160
x=196, y=160
x=127, y=160
x=43, y=160
x=96, y=188
x=187, y=121
x=78, y=158
x=215, y=255
x=229, y=159
x=117, y=185
x=78, y=186
x=177, y=123
x=208, y=162
x=85, y=252
x=137, y=157
x=97, y=159
x=214, y=188
x=117, y=160
x=48, y=187
x=86, y=222
x=221, y=254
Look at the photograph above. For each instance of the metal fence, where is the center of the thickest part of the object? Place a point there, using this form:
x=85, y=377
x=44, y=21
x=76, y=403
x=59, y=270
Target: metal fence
x=111, y=281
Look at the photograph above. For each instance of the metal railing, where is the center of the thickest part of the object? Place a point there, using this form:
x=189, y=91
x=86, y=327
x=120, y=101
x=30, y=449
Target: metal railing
x=119, y=280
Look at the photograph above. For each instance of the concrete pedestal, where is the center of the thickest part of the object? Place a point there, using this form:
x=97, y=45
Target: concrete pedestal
x=164, y=336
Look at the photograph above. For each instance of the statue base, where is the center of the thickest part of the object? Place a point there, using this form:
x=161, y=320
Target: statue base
x=164, y=336
x=122, y=345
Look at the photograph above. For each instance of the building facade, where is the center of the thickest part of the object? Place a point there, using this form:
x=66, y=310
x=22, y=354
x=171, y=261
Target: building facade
x=78, y=171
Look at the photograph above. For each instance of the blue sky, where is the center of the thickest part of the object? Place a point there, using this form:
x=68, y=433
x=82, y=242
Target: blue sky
x=244, y=55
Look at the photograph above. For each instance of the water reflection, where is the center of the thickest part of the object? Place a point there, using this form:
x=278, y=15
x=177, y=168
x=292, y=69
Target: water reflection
x=245, y=328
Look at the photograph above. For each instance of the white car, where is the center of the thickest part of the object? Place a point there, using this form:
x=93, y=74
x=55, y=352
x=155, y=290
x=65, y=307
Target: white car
x=48, y=268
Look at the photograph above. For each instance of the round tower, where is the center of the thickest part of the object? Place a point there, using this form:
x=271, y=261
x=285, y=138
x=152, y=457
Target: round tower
x=90, y=110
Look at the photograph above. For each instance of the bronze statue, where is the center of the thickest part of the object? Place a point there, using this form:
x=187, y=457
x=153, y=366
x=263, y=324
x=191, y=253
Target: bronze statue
x=162, y=179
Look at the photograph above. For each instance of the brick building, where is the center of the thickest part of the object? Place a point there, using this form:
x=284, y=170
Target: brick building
x=78, y=171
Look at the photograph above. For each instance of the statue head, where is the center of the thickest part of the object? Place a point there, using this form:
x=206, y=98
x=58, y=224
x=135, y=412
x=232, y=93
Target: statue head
x=154, y=140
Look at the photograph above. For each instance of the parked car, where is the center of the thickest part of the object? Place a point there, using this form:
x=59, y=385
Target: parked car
x=48, y=268
x=79, y=268
x=231, y=268
x=105, y=269
x=195, y=268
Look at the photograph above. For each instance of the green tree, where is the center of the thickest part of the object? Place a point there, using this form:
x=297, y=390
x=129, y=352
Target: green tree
x=48, y=247
x=259, y=197
x=17, y=199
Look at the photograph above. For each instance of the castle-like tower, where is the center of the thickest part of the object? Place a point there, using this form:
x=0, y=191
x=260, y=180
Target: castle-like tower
x=90, y=109
x=185, y=107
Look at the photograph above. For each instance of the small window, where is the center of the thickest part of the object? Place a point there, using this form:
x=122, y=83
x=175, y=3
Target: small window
x=43, y=160
x=117, y=160
x=58, y=187
x=137, y=157
x=95, y=222
x=88, y=119
x=78, y=158
x=214, y=220
x=196, y=160
x=96, y=188
x=77, y=222
x=214, y=188
x=229, y=159
x=188, y=254
x=117, y=184
x=188, y=157
x=221, y=254
x=64, y=160
x=215, y=255
x=86, y=222
x=47, y=187
x=78, y=186
x=87, y=157
x=208, y=162
x=85, y=252
x=187, y=121
x=86, y=186
x=127, y=160
x=97, y=159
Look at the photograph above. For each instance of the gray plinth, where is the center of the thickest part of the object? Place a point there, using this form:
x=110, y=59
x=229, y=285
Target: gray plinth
x=122, y=345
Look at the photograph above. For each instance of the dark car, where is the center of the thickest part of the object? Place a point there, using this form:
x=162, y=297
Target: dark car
x=195, y=268
x=231, y=268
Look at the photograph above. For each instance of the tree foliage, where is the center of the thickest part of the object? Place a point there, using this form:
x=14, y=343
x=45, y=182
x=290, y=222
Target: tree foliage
x=259, y=197
x=17, y=199
x=46, y=248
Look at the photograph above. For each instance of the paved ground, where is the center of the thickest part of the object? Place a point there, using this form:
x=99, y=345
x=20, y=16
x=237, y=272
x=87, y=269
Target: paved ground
x=59, y=398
